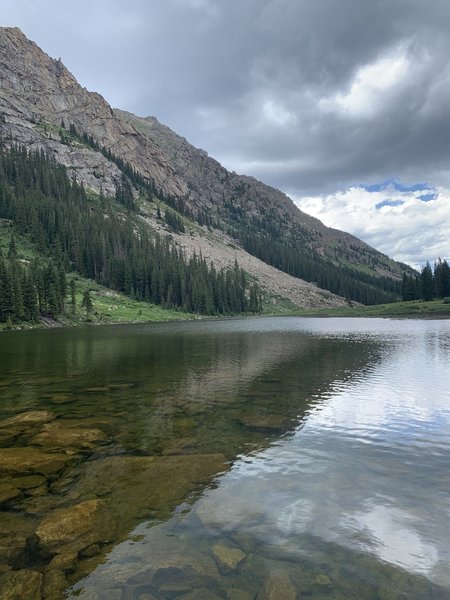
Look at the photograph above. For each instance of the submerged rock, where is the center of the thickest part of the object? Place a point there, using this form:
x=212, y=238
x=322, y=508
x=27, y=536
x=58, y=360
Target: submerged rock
x=28, y=482
x=23, y=585
x=238, y=594
x=227, y=558
x=134, y=486
x=269, y=423
x=8, y=492
x=67, y=531
x=53, y=585
x=198, y=593
x=21, y=461
x=55, y=435
x=62, y=398
x=229, y=511
x=278, y=586
x=28, y=419
x=15, y=531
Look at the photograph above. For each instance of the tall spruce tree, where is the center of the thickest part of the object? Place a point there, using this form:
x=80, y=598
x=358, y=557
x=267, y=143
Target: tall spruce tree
x=426, y=283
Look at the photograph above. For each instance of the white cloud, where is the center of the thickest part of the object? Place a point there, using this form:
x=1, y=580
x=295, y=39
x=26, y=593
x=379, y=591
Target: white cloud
x=371, y=86
x=398, y=223
x=276, y=114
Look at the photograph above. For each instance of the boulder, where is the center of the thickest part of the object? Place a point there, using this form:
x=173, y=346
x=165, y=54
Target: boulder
x=238, y=594
x=202, y=593
x=8, y=492
x=67, y=531
x=28, y=419
x=264, y=423
x=28, y=482
x=227, y=557
x=53, y=585
x=24, y=461
x=55, y=435
x=135, y=486
x=278, y=586
x=21, y=585
x=15, y=531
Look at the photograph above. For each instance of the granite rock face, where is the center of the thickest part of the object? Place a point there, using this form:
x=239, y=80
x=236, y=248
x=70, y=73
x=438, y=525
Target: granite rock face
x=36, y=90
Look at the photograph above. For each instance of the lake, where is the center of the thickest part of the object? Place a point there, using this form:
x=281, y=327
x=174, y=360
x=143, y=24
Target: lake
x=260, y=458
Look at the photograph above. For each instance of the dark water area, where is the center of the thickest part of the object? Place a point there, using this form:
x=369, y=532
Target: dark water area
x=243, y=458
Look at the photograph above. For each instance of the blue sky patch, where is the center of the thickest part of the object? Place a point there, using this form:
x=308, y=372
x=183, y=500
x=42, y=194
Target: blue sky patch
x=389, y=203
x=427, y=197
x=399, y=187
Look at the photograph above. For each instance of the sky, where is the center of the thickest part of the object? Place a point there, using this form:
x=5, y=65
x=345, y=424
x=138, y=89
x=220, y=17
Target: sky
x=344, y=105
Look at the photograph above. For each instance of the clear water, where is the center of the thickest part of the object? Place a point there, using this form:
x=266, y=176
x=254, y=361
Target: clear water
x=321, y=450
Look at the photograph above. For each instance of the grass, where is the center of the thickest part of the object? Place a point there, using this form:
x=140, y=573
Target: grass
x=113, y=307
x=277, y=305
x=411, y=309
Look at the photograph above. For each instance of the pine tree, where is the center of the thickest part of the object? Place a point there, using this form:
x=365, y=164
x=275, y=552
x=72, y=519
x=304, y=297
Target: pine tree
x=73, y=297
x=87, y=303
x=426, y=283
x=12, y=248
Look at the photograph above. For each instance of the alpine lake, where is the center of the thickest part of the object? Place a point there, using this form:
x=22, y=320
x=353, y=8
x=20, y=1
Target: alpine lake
x=260, y=458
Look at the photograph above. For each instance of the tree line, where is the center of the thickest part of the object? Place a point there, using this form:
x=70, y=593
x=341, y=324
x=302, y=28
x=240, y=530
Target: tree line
x=92, y=236
x=433, y=282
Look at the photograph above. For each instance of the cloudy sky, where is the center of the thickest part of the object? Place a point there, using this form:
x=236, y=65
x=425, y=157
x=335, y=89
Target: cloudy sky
x=344, y=105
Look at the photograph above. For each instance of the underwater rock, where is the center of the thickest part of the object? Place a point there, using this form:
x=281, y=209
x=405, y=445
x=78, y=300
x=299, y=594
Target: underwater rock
x=21, y=461
x=23, y=584
x=269, y=423
x=62, y=398
x=198, y=593
x=8, y=492
x=55, y=435
x=278, y=585
x=228, y=512
x=15, y=530
x=238, y=594
x=67, y=531
x=53, y=585
x=134, y=486
x=28, y=482
x=227, y=558
x=28, y=419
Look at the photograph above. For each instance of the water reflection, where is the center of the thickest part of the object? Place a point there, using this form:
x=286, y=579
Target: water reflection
x=365, y=475
x=335, y=434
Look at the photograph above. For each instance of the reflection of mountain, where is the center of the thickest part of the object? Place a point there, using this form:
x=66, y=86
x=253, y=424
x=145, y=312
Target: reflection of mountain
x=352, y=505
x=171, y=407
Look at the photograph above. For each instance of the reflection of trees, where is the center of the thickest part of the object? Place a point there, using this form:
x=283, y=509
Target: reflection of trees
x=189, y=381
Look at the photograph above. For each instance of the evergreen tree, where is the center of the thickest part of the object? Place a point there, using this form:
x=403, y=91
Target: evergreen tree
x=442, y=278
x=12, y=248
x=87, y=303
x=73, y=297
x=426, y=283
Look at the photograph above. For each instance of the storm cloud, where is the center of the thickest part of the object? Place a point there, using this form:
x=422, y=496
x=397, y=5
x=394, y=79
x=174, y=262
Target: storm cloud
x=311, y=96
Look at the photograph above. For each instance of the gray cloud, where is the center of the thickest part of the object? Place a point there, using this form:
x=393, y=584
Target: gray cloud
x=310, y=96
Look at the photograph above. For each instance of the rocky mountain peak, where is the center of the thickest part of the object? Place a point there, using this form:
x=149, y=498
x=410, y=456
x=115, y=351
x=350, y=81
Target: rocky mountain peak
x=35, y=88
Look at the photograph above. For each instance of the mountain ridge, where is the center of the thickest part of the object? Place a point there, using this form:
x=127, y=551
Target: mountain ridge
x=40, y=99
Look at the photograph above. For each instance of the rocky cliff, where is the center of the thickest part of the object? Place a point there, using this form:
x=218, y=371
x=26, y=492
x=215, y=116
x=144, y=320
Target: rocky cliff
x=38, y=92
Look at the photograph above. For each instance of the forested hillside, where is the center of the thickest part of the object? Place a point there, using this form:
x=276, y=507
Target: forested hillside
x=76, y=231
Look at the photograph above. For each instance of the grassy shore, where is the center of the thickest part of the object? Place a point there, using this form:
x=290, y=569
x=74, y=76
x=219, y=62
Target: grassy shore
x=108, y=307
x=415, y=309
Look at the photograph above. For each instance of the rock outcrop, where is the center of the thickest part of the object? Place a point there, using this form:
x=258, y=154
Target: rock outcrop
x=38, y=92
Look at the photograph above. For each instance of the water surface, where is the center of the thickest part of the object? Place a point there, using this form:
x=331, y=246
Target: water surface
x=242, y=458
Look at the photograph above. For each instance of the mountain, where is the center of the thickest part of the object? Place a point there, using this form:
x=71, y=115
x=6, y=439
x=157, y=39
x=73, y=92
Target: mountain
x=161, y=183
